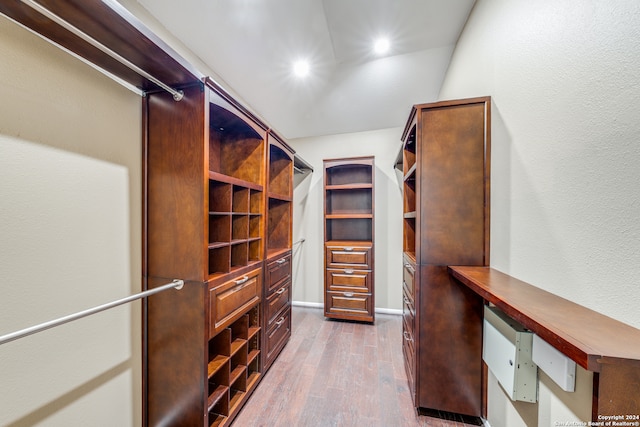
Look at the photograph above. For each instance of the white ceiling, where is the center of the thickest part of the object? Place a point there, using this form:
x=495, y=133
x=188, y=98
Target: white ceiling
x=252, y=44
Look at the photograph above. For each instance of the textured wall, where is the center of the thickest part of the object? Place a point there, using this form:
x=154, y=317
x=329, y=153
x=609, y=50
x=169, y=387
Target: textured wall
x=70, y=214
x=565, y=194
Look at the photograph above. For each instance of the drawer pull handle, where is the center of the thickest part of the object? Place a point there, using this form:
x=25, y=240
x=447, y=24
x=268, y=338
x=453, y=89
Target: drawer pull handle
x=348, y=271
x=410, y=268
x=406, y=336
x=281, y=261
x=280, y=291
x=348, y=249
x=280, y=321
x=348, y=294
x=241, y=281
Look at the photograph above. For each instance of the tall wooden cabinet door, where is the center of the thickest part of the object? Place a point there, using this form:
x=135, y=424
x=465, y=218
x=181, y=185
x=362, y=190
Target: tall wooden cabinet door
x=452, y=185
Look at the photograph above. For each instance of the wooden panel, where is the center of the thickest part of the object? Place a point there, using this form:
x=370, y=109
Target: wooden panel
x=176, y=184
x=452, y=185
x=280, y=299
x=346, y=306
x=278, y=335
x=348, y=280
x=228, y=301
x=114, y=27
x=449, y=344
x=277, y=272
x=176, y=331
x=349, y=256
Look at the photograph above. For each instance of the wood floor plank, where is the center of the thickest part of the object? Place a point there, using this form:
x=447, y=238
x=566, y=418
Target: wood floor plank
x=338, y=373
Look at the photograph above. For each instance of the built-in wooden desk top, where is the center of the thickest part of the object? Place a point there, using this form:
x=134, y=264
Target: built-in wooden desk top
x=586, y=336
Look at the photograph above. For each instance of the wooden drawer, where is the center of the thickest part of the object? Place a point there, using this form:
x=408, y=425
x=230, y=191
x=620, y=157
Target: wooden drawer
x=408, y=278
x=278, y=300
x=277, y=271
x=230, y=300
x=348, y=280
x=278, y=335
x=349, y=304
x=345, y=256
x=408, y=314
x=409, y=354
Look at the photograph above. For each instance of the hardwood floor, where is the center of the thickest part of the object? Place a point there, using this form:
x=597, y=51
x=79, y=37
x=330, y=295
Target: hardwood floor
x=336, y=373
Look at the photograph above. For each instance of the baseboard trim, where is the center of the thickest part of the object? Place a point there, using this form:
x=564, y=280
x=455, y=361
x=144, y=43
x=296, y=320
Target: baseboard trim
x=307, y=304
x=393, y=311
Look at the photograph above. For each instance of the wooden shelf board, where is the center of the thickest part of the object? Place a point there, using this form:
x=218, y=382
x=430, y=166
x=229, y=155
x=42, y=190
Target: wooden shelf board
x=365, y=243
x=237, y=345
x=220, y=213
x=233, y=270
x=350, y=216
x=216, y=364
x=349, y=186
x=410, y=173
x=582, y=334
x=218, y=421
x=281, y=197
x=253, y=330
x=236, y=398
x=275, y=252
x=252, y=380
x=252, y=356
x=409, y=215
x=236, y=373
x=215, y=245
x=215, y=397
x=216, y=176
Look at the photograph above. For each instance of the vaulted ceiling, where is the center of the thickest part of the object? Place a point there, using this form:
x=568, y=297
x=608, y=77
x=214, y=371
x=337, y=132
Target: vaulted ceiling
x=253, y=44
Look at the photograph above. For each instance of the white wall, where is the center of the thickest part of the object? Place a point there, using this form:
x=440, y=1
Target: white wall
x=70, y=210
x=308, y=261
x=565, y=204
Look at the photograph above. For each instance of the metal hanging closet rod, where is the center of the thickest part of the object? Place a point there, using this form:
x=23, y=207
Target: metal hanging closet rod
x=177, y=94
x=177, y=284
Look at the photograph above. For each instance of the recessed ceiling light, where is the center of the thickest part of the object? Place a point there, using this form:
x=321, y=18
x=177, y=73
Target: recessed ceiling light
x=381, y=45
x=301, y=68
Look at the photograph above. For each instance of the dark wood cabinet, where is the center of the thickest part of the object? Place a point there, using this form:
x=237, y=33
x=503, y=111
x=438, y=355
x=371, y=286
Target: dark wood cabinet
x=445, y=161
x=277, y=284
x=218, y=214
x=349, y=232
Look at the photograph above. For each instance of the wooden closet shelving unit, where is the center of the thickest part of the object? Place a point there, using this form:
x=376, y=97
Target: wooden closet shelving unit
x=216, y=212
x=445, y=169
x=349, y=238
x=205, y=210
x=277, y=284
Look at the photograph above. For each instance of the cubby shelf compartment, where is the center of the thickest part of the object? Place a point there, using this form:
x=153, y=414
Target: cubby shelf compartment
x=280, y=172
x=235, y=220
x=234, y=367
